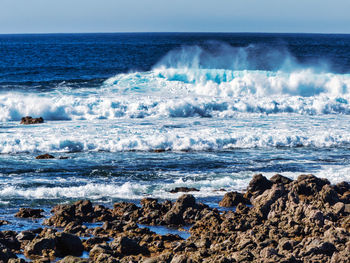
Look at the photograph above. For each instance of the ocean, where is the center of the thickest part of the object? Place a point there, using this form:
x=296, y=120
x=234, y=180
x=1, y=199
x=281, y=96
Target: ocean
x=138, y=114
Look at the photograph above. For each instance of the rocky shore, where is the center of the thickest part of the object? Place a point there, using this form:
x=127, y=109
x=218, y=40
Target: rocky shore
x=276, y=220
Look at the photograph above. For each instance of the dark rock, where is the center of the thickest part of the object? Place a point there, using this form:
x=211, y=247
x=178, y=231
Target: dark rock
x=184, y=190
x=68, y=244
x=45, y=156
x=55, y=245
x=29, y=212
x=233, y=199
x=308, y=184
x=38, y=245
x=183, y=202
x=4, y=222
x=29, y=120
x=8, y=240
x=26, y=235
x=127, y=246
x=342, y=187
x=329, y=195
x=259, y=184
x=6, y=255
x=280, y=179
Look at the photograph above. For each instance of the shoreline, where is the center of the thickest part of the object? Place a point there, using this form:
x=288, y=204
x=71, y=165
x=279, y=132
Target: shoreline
x=275, y=220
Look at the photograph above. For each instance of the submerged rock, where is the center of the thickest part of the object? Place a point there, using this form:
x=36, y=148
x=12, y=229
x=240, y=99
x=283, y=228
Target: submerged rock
x=45, y=156
x=183, y=190
x=29, y=120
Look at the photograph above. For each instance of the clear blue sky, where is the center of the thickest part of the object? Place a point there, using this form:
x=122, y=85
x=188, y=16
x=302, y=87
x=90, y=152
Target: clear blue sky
x=51, y=16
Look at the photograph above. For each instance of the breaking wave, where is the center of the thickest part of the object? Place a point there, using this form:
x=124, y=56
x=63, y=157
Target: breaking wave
x=213, y=81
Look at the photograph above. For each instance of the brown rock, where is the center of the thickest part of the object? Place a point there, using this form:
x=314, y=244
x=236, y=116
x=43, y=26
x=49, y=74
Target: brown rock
x=45, y=156
x=280, y=179
x=184, y=190
x=29, y=120
x=29, y=212
x=233, y=199
x=72, y=259
x=259, y=183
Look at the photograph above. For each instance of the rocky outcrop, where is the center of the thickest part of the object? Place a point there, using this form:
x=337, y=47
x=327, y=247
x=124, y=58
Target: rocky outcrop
x=29, y=212
x=276, y=220
x=29, y=120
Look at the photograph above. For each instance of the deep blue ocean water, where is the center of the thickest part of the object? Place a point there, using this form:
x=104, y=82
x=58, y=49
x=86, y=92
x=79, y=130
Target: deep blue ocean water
x=140, y=114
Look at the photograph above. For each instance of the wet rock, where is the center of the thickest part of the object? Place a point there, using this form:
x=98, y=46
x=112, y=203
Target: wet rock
x=6, y=255
x=67, y=244
x=342, y=187
x=183, y=189
x=26, y=235
x=258, y=185
x=38, y=245
x=175, y=215
x=45, y=156
x=8, y=240
x=72, y=259
x=54, y=245
x=280, y=179
x=16, y=260
x=4, y=222
x=127, y=246
x=233, y=199
x=29, y=120
x=29, y=213
x=98, y=250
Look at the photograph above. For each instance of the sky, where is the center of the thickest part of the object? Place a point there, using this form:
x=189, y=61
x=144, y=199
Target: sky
x=80, y=16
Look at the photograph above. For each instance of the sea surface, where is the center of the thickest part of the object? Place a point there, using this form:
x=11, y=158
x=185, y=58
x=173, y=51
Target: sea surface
x=140, y=114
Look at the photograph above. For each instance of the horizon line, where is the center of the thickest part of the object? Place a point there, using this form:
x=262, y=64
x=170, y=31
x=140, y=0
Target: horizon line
x=174, y=32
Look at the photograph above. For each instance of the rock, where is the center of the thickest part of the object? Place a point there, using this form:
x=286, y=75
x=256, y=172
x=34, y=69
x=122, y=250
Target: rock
x=173, y=218
x=8, y=240
x=308, y=184
x=6, y=255
x=184, y=190
x=4, y=222
x=342, y=187
x=317, y=246
x=68, y=244
x=329, y=195
x=126, y=246
x=29, y=120
x=45, y=156
x=99, y=249
x=26, y=235
x=72, y=259
x=29, y=213
x=280, y=179
x=183, y=202
x=16, y=260
x=263, y=202
x=259, y=184
x=233, y=199
x=38, y=245
x=56, y=244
